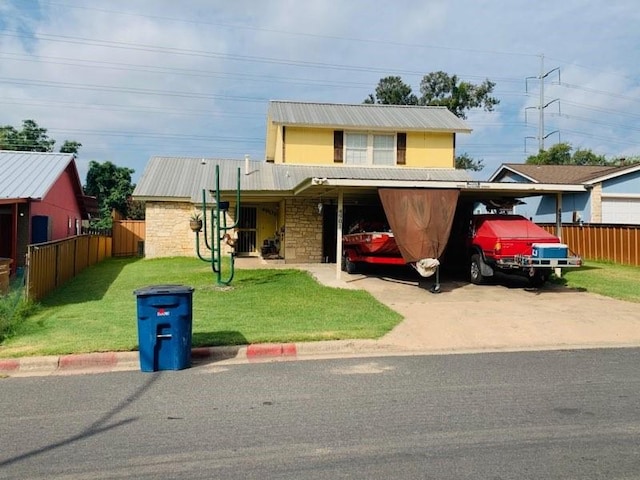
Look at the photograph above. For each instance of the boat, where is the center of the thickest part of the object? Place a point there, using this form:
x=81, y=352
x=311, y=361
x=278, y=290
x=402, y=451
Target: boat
x=371, y=244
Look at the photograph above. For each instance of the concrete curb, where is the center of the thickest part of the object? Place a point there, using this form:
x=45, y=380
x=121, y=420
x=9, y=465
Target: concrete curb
x=117, y=361
x=127, y=361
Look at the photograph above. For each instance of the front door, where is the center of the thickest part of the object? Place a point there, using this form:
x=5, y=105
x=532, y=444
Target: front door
x=6, y=235
x=247, y=231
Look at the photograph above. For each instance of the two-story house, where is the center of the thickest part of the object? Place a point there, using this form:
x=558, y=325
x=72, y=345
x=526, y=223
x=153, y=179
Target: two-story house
x=323, y=166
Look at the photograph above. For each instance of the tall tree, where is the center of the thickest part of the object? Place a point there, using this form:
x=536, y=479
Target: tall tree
x=392, y=91
x=32, y=138
x=438, y=89
x=112, y=186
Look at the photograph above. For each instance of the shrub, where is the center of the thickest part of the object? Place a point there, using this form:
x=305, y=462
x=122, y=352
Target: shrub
x=14, y=310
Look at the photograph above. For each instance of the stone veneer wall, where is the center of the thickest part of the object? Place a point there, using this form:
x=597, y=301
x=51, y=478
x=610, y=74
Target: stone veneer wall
x=168, y=233
x=303, y=231
x=167, y=230
x=596, y=204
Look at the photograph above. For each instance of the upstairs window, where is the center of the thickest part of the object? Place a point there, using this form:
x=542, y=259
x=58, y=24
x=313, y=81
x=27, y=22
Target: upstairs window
x=369, y=149
x=355, y=148
x=384, y=149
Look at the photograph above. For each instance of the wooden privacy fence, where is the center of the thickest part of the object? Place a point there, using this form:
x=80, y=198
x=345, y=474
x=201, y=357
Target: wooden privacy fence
x=51, y=264
x=128, y=238
x=613, y=243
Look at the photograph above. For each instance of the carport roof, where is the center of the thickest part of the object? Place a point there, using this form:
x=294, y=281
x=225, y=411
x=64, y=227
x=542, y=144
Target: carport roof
x=184, y=179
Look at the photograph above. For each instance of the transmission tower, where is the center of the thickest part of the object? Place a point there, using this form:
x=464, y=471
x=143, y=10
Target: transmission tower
x=542, y=105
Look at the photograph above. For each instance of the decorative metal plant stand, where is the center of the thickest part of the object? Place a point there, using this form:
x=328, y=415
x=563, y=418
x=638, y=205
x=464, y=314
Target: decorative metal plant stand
x=219, y=230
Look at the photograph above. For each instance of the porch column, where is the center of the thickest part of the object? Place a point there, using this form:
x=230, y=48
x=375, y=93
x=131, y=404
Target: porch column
x=558, y=270
x=339, y=234
x=559, y=216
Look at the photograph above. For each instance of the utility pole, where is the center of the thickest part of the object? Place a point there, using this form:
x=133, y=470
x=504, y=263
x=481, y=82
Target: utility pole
x=541, y=105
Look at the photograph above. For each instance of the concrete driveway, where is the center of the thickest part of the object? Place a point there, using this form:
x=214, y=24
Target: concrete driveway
x=506, y=315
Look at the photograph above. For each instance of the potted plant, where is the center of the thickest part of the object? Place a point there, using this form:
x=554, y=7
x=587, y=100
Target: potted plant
x=195, y=221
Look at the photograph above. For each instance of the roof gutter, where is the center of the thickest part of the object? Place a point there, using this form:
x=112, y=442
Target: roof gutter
x=458, y=184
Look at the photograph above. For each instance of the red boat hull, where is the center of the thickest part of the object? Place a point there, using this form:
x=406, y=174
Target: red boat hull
x=372, y=244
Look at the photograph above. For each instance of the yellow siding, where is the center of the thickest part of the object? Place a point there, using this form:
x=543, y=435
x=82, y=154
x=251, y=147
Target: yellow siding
x=267, y=222
x=430, y=150
x=272, y=140
x=278, y=158
x=309, y=146
x=314, y=146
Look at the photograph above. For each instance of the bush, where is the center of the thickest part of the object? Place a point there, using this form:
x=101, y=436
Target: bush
x=14, y=309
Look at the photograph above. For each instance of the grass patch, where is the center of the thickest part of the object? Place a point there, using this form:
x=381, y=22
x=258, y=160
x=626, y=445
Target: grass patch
x=604, y=278
x=96, y=311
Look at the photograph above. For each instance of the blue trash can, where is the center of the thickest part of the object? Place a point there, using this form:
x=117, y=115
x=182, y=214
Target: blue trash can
x=164, y=327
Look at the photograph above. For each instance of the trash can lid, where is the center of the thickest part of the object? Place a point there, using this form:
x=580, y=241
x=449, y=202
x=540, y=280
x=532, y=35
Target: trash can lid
x=163, y=290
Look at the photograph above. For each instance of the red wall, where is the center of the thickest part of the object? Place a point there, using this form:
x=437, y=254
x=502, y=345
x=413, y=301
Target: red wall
x=61, y=206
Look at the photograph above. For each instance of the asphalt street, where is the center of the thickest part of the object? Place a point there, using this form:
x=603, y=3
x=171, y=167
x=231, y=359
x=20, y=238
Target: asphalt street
x=557, y=414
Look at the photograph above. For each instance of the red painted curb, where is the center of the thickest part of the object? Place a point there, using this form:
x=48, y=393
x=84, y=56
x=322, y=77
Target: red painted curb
x=201, y=353
x=255, y=352
x=89, y=360
x=9, y=365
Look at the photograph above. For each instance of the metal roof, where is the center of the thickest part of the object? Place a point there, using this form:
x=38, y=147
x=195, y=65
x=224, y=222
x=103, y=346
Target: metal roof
x=30, y=174
x=370, y=116
x=184, y=178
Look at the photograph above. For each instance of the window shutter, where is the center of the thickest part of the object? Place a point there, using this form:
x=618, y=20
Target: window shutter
x=401, y=158
x=338, y=146
x=284, y=144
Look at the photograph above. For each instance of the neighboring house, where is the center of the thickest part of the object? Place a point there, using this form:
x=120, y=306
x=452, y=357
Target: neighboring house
x=611, y=193
x=324, y=164
x=41, y=199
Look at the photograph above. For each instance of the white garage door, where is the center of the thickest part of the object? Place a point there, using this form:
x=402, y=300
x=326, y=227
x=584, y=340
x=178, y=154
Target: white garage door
x=621, y=210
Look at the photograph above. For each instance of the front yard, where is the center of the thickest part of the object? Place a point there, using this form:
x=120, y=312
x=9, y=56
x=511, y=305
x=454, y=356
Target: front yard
x=96, y=311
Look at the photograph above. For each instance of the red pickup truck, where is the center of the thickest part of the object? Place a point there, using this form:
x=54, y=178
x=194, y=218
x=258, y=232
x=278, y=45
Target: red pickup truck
x=513, y=244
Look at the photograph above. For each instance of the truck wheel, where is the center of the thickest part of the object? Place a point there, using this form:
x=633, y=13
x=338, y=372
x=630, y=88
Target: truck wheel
x=476, y=270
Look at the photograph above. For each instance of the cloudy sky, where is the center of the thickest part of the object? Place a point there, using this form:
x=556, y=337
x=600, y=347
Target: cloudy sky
x=130, y=79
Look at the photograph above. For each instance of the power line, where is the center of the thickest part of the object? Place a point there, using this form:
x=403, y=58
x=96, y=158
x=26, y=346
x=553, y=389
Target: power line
x=300, y=34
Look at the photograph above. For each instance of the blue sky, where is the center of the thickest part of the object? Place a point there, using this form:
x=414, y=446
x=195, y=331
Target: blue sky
x=130, y=79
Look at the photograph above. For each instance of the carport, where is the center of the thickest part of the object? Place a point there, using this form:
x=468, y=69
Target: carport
x=337, y=193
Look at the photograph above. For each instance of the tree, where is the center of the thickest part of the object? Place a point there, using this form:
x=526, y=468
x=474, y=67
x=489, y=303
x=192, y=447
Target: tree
x=32, y=138
x=560, y=154
x=437, y=89
x=465, y=162
x=70, y=146
x=392, y=91
x=587, y=157
x=112, y=187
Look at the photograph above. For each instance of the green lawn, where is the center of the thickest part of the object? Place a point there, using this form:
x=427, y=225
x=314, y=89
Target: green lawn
x=609, y=279
x=96, y=311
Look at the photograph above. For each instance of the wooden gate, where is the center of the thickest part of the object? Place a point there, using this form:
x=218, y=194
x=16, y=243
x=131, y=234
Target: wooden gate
x=128, y=238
